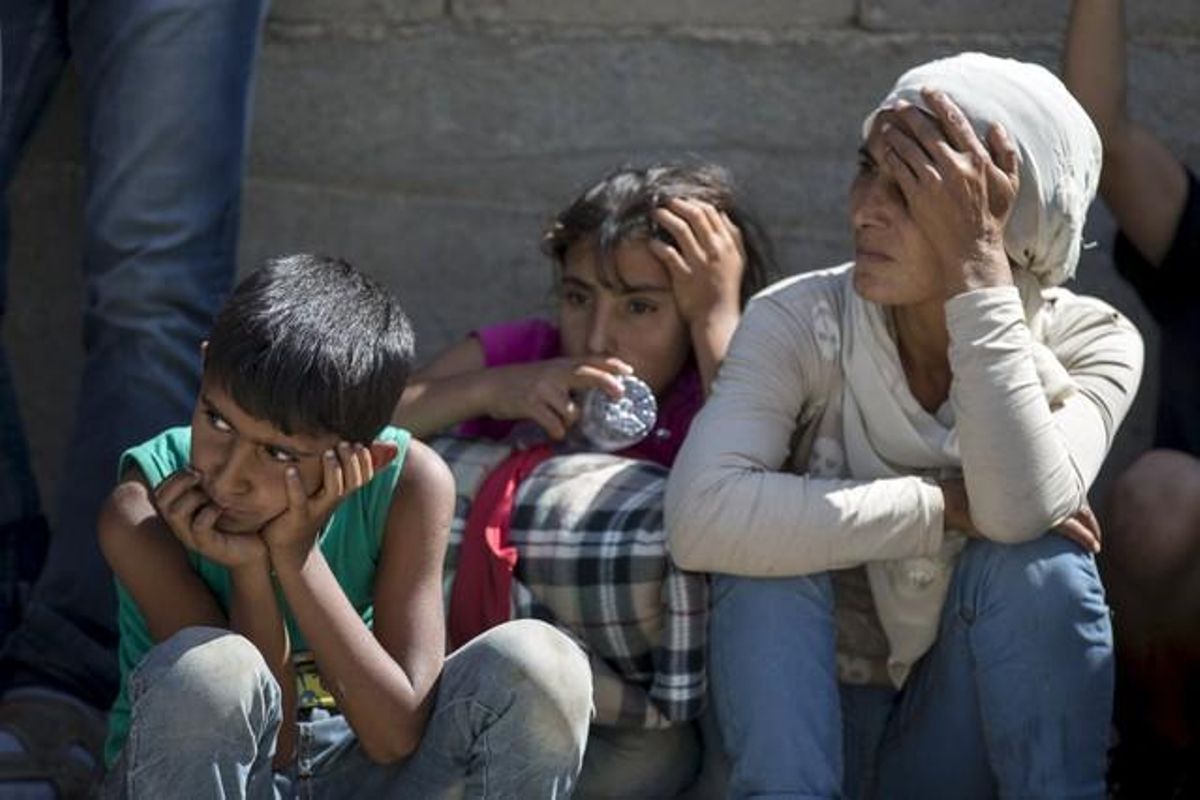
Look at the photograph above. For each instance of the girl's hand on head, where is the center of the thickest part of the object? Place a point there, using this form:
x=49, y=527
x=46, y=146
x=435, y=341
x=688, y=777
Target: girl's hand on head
x=959, y=191
x=291, y=535
x=192, y=516
x=706, y=263
x=544, y=391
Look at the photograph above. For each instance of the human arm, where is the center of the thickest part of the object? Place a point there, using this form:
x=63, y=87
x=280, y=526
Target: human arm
x=706, y=264
x=458, y=386
x=152, y=564
x=254, y=613
x=382, y=680
x=145, y=535
x=732, y=503
x=1144, y=185
x=1027, y=467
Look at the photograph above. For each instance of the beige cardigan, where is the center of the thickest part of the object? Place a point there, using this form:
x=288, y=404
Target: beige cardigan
x=761, y=486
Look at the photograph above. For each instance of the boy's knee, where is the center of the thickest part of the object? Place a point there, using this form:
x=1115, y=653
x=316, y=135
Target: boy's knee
x=204, y=672
x=547, y=673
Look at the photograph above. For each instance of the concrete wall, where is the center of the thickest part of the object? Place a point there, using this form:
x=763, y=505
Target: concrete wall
x=427, y=141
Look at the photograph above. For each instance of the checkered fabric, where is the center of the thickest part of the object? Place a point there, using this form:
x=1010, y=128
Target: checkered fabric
x=593, y=562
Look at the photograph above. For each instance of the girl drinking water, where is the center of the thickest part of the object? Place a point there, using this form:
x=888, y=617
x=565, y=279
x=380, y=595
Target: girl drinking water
x=652, y=268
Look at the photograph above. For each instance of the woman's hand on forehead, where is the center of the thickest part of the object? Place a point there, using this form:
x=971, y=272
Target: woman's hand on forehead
x=959, y=191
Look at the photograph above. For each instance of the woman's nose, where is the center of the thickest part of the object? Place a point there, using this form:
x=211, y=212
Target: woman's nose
x=875, y=201
x=599, y=342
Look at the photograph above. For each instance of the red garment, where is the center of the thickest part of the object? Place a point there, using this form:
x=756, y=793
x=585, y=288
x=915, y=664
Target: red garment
x=481, y=596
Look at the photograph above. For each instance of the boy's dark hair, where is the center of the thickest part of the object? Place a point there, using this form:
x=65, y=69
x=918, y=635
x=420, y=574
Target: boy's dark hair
x=312, y=346
x=620, y=207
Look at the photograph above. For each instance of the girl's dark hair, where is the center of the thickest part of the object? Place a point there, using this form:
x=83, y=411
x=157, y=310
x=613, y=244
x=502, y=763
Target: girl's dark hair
x=620, y=207
x=312, y=346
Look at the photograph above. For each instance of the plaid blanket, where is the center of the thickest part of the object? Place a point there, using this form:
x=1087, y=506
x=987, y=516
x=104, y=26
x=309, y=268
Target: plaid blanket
x=593, y=562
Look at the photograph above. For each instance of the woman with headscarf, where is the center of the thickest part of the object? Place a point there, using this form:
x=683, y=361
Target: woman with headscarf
x=890, y=477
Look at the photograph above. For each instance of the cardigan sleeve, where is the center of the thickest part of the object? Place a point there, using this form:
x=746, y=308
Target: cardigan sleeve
x=731, y=507
x=1027, y=467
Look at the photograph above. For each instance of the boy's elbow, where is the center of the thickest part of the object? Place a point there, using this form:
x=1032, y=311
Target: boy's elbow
x=385, y=754
x=389, y=747
x=116, y=518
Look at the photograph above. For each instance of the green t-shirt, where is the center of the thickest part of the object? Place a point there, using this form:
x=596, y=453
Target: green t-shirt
x=350, y=542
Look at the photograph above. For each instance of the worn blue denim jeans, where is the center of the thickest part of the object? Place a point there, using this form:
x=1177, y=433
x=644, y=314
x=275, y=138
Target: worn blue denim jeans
x=166, y=88
x=1013, y=700
x=510, y=720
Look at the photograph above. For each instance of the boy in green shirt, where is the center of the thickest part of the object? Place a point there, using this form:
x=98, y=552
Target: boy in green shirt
x=279, y=577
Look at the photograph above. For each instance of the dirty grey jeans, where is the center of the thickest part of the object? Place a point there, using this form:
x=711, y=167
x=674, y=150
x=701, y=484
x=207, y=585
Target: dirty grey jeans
x=510, y=720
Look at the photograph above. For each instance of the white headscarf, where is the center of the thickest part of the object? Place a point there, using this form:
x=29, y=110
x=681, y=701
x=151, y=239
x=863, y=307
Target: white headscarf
x=1058, y=144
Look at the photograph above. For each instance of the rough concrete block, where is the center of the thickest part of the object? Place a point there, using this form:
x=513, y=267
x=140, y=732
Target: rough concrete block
x=767, y=14
x=1030, y=16
x=959, y=15
x=494, y=101
x=454, y=264
x=389, y=11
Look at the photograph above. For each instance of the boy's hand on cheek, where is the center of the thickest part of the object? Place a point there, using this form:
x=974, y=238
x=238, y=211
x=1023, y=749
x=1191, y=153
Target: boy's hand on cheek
x=291, y=535
x=192, y=516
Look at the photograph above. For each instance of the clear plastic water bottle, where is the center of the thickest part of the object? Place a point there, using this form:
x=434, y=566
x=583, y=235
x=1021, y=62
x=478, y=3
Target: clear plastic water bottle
x=610, y=424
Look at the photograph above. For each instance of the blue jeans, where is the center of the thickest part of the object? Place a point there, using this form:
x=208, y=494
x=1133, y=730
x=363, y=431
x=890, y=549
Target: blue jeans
x=510, y=719
x=166, y=87
x=1013, y=700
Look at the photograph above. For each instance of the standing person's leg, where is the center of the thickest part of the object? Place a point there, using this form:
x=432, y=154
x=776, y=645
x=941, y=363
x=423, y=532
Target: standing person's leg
x=33, y=46
x=166, y=87
x=774, y=685
x=510, y=720
x=1151, y=567
x=1014, y=698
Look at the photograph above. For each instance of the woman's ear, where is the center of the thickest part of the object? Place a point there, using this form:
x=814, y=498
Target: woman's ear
x=383, y=453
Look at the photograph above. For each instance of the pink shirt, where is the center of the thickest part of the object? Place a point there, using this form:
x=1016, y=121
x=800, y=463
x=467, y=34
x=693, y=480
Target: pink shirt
x=529, y=340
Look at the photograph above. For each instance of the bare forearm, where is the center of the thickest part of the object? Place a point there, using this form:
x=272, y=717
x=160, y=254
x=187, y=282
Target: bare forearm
x=1144, y=185
x=1094, y=65
x=254, y=613
x=710, y=342
x=435, y=404
x=371, y=689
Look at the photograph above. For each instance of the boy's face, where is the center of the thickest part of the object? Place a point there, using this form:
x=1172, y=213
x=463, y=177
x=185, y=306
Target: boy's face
x=241, y=460
x=637, y=321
